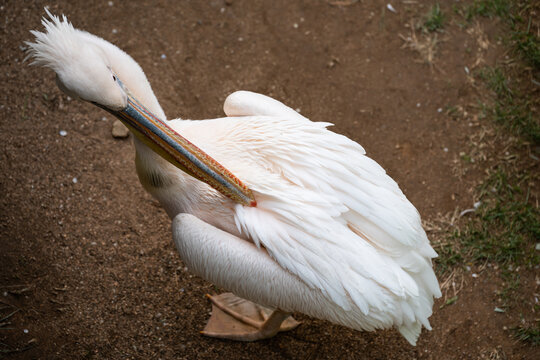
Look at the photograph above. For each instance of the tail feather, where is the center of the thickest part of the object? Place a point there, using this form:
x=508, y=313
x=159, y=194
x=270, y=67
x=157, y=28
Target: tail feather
x=411, y=332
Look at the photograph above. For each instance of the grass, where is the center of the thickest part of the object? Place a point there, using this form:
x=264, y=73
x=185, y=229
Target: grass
x=506, y=225
x=511, y=108
x=434, y=20
x=512, y=281
x=528, y=334
x=528, y=45
x=504, y=229
x=487, y=8
x=519, y=15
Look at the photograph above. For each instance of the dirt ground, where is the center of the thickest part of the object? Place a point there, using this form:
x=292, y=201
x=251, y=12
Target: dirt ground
x=86, y=257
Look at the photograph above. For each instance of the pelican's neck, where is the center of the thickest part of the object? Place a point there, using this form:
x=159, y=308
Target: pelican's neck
x=155, y=173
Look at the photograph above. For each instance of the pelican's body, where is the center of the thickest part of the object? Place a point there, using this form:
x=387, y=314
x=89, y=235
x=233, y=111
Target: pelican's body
x=331, y=235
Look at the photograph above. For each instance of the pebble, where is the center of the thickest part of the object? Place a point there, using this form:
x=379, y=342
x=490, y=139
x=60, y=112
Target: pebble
x=63, y=132
x=119, y=130
x=537, y=247
x=74, y=180
x=391, y=8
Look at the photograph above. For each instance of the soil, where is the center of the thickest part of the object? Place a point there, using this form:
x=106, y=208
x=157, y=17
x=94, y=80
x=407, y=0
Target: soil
x=86, y=257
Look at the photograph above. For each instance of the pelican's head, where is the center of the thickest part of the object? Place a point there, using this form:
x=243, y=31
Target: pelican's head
x=82, y=68
x=82, y=63
x=89, y=77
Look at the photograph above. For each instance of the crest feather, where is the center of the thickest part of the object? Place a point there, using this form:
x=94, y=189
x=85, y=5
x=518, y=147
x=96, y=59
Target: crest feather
x=52, y=47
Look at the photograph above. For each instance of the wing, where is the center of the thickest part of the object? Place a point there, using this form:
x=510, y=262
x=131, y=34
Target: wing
x=326, y=212
x=247, y=103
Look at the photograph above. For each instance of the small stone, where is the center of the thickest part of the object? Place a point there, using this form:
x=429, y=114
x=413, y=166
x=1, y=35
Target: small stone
x=537, y=246
x=163, y=56
x=63, y=132
x=74, y=180
x=25, y=331
x=119, y=130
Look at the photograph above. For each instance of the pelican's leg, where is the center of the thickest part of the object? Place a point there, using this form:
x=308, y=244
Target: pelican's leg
x=235, y=318
x=238, y=265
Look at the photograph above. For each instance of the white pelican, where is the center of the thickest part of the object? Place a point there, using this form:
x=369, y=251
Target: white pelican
x=314, y=226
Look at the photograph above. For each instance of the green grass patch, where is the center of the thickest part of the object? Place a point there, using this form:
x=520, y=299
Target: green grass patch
x=487, y=8
x=528, y=45
x=505, y=227
x=528, y=334
x=511, y=109
x=449, y=256
x=518, y=15
x=434, y=20
x=511, y=285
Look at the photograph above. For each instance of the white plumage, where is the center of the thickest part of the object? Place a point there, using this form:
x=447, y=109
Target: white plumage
x=332, y=235
x=326, y=212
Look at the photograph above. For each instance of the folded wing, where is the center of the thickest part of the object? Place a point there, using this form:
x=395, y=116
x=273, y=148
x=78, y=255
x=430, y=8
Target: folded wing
x=326, y=212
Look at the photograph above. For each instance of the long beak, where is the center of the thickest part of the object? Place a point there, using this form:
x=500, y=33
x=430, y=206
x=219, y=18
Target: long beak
x=176, y=149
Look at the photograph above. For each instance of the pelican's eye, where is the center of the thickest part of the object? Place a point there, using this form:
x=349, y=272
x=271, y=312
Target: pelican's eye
x=114, y=78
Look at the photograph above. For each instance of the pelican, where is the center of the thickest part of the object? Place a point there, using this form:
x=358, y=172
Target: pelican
x=283, y=213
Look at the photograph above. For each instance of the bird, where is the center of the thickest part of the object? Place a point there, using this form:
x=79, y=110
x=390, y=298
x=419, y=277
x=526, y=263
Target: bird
x=286, y=215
